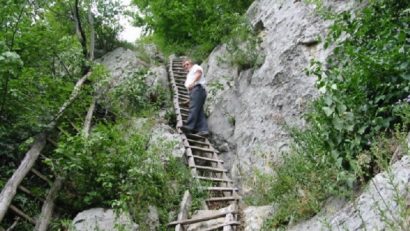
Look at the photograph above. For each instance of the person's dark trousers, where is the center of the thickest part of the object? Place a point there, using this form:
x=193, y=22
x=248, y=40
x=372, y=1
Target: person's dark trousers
x=196, y=118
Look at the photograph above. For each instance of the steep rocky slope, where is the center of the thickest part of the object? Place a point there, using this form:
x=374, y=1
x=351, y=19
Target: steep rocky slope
x=248, y=109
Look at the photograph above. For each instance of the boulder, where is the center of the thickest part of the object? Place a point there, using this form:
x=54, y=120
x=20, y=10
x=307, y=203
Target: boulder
x=103, y=220
x=254, y=216
x=164, y=139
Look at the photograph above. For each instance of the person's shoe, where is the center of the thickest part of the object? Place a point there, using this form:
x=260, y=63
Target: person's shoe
x=202, y=133
x=186, y=129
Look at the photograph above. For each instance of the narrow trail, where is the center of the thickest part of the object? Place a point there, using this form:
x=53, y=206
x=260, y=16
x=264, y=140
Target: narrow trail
x=221, y=207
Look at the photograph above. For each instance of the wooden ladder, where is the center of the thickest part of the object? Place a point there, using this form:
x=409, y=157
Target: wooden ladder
x=28, y=169
x=204, y=163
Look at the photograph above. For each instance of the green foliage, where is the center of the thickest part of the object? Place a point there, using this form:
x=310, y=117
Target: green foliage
x=179, y=26
x=113, y=167
x=243, y=45
x=132, y=95
x=368, y=75
x=364, y=96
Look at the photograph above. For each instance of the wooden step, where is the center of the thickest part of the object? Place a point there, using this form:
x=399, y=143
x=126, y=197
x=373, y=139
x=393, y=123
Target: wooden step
x=195, y=136
x=217, y=227
x=197, y=142
x=213, y=179
x=183, y=96
x=207, y=159
x=41, y=176
x=210, y=169
x=201, y=219
x=221, y=189
x=202, y=149
x=216, y=199
x=182, y=89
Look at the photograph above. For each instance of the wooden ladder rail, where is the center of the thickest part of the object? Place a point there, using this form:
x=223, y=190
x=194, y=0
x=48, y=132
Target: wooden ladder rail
x=231, y=219
x=10, y=189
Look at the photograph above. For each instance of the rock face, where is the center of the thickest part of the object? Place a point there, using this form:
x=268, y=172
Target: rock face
x=382, y=206
x=103, y=220
x=254, y=216
x=248, y=109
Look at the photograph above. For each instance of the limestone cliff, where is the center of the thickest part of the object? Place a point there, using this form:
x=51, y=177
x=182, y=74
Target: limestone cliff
x=248, y=109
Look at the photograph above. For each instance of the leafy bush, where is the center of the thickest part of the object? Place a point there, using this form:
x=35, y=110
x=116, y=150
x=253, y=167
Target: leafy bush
x=112, y=167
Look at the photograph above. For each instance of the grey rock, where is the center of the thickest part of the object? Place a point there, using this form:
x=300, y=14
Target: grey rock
x=103, y=220
x=165, y=140
x=254, y=216
x=248, y=109
x=152, y=218
x=380, y=207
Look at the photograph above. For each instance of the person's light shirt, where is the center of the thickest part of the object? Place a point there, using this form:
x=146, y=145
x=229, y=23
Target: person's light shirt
x=191, y=76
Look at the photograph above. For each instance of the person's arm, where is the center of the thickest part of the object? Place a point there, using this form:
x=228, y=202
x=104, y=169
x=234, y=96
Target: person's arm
x=197, y=77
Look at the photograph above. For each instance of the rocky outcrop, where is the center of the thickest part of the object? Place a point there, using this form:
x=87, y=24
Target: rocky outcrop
x=254, y=217
x=248, y=110
x=103, y=220
x=382, y=205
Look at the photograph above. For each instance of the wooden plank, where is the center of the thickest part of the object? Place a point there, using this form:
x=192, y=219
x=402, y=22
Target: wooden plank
x=184, y=209
x=16, y=221
x=216, y=227
x=74, y=126
x=67, y=103
x=198, y=142
x=210, y=169
x=22, y=214
x=41, y=176
x=28, y=192
x=211, y=150
x=207, y=159
x=213, y=179
x=52, y=142
x=221, y=189
x=216, y=199
x=200, y=219
x=10, y=189
x=89, y=117
x=48, y=206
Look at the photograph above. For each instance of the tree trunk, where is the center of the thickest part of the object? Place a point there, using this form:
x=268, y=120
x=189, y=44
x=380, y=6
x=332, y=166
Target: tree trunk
x=48, y=206
x=10, y=188
x=88, y=118
x=80, y=34
x=92, y=33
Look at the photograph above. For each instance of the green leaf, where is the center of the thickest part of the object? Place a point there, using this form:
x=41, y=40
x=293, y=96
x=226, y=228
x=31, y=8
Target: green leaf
x=328, y=111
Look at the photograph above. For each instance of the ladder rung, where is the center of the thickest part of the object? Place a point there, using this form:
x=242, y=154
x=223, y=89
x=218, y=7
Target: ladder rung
x=210, y=168
x=208, y=159
x=226, y=189
x=22, y=214
x=216, y=227
x=28, y=192
x=195, y=136
x=201, y=219
x=198, y=142
x=215, y=199
x=202, y=149
x=213, y=179
x=41, y=176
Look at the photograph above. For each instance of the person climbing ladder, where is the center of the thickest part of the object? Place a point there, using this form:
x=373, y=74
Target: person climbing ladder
x=195, y=83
